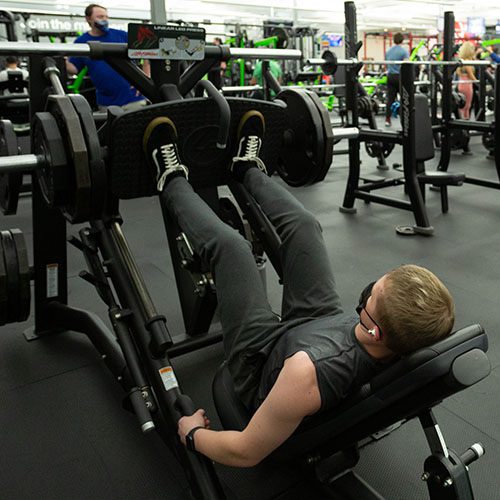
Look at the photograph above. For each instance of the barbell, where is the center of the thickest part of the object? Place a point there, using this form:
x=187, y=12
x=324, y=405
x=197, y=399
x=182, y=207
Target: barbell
x=329, y=62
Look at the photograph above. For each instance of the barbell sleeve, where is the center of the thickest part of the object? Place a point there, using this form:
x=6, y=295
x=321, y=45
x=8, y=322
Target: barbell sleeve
x=345, y=133
x=265, y=53
x=19, y=163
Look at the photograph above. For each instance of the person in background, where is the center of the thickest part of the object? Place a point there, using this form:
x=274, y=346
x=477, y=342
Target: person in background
x=111, y=88
x=11, y=65
x=257, y=78
x=493, y=54
x=465, y=76
x=395, y=53
x=217, y=70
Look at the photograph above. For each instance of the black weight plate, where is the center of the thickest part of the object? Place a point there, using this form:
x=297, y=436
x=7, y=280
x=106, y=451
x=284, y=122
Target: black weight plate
x=328, y=137
x=489, y=140
x=283, y=37
x=11, y=268
x=79, y=208
x=54, y=175
x=302, y=153
x=24, y=273
x=10, y=183
x=96, y=163
x=3, y=290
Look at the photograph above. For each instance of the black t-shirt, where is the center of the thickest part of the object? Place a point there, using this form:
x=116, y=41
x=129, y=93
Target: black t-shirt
x=342, y=364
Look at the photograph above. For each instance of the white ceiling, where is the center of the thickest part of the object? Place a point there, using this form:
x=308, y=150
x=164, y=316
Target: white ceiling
x=325, y=14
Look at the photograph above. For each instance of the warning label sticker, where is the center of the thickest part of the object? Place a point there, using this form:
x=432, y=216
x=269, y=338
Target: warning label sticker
x=168, y=378
x=52, y=285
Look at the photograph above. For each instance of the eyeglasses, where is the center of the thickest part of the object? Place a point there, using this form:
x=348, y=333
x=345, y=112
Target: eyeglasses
x=363, y=299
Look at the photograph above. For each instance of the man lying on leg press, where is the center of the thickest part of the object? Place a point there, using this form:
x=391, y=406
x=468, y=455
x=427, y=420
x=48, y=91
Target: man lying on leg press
x=287, y=369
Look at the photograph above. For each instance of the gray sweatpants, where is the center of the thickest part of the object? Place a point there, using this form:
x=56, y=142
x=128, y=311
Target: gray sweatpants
x=249, y=326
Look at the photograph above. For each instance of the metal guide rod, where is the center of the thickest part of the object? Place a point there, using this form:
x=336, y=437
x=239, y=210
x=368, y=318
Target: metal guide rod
x=352, y=62
x=83, y=49
x=265, y=53
x=19, y=163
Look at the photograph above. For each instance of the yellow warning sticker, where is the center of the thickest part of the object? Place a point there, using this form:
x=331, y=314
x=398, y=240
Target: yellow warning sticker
x=168, y=377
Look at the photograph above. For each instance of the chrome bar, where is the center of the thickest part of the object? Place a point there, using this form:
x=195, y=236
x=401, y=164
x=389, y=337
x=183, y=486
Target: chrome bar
x=19, y=163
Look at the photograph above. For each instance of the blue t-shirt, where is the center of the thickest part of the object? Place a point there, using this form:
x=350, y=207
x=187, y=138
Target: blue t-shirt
x=111, y=88
x=495, y=57
x=395, y=53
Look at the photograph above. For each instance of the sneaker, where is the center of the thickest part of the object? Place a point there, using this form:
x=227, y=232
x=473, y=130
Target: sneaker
x=250, y=133
x=388, y=122
x=160, y=147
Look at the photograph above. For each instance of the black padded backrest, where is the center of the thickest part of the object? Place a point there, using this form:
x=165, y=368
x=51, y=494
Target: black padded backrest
x=196, y=121
x=15, y=83
x=424, y=139
x=413, y=384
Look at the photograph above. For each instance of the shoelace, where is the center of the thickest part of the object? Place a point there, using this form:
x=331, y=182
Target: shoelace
x=171, y=159
x=251, y=152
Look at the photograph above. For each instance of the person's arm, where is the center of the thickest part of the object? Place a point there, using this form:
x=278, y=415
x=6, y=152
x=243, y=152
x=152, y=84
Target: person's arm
x=294, y=396
x=494, y=57
x=71, y=69
x=146, y=67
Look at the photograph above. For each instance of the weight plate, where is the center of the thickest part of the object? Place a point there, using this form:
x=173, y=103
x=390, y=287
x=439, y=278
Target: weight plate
x=283, y=37
x=302, y=153
x=10, y=183
x=79, y=208
x=376, y=149
x=96, y=163
x=54, y=175
x=11, y=268
x=489, y=141
x=4, y=295
x=328, y=135
x=24, y=273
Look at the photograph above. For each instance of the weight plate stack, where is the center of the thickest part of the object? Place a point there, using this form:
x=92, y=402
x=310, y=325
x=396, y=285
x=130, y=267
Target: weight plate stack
x=79, y=207
x=10, y=183
x=96, y=163
x=302, y=155
x=15, y=275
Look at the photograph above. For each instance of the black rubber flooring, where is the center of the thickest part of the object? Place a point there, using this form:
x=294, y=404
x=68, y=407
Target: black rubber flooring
x=64, y=435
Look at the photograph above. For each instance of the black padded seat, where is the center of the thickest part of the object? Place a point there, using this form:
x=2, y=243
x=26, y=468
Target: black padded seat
x=403, y=391
x=425, y=151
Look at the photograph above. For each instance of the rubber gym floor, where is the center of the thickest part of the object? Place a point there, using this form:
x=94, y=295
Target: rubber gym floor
x=64, y=434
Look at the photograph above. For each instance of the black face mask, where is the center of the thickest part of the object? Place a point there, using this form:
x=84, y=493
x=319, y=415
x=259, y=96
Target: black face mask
x=365, y=295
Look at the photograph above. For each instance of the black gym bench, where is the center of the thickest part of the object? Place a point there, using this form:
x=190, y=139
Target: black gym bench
x=326, y=444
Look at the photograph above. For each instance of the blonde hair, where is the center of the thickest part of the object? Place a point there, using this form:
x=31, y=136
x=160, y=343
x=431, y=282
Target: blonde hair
x=415, y=310
x=467, y=51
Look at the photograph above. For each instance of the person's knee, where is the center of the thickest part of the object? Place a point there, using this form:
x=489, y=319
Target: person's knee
x=304, y=220
x=226, y=240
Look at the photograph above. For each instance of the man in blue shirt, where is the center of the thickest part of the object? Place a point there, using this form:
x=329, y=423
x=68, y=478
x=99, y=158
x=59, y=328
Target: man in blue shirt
x=494, y=56
x=111, y=88
x=395, y=53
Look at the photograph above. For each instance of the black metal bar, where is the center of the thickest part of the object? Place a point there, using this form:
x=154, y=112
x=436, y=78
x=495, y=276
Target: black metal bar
x=380, y=135
x=384, y=200
x=372, y=186
x=470, y=125
x=79, y=320
x=49, y=227
x=131, y=294
x=409, y=145
x=270, y=79
x=260, y=225
x=193, y=74
x=482, y=182
x=351, y=99
x=481, y=70
x=190, y=344
x=497, y=119
x=145, y=85
x=446, y=90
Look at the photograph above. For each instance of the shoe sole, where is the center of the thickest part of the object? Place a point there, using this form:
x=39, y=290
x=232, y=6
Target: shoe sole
x=247, y=116
x=152, y=125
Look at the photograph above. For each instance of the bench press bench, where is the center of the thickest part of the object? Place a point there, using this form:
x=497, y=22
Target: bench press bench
x=327, y=442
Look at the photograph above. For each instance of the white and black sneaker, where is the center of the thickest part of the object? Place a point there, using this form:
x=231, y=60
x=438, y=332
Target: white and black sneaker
x=160, y=147
x=250, y=133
